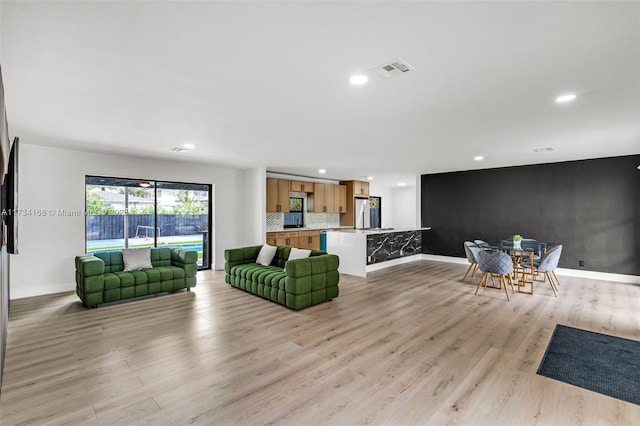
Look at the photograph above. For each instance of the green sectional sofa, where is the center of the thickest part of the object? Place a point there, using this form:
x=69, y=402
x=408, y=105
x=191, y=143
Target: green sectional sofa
x=296, y=284
x=100, y=277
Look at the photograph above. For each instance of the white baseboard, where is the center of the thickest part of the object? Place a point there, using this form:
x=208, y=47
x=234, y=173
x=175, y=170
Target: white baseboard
x=594, y=275
x=394, y=262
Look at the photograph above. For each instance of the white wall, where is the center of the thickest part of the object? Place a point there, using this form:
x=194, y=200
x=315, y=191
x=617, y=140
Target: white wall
x=403, y=208
x=53, y=178
x=398, y=206
x=254, y=206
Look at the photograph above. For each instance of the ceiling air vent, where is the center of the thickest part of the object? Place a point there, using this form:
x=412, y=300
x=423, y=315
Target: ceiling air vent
x=178, y=149
x=394, y=68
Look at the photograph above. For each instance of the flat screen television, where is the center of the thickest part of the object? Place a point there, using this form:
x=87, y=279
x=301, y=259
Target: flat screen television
x=10, y=211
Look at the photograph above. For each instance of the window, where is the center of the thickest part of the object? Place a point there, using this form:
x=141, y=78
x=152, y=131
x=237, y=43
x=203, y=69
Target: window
x=132, y=213
x=295, y=217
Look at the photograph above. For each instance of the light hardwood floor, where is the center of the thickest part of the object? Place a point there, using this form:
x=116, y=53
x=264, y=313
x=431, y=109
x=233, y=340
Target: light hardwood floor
x=408, y=345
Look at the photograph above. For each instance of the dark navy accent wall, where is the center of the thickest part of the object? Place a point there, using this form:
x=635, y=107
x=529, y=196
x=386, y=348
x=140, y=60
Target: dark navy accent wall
x=592, y=207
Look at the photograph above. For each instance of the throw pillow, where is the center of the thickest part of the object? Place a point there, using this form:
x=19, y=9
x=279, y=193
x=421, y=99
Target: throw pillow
x=266, y=255
x=296, y=253
x=136, y=258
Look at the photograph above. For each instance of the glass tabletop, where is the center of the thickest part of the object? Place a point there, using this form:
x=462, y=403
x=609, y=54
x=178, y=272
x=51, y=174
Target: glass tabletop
x=536, y=246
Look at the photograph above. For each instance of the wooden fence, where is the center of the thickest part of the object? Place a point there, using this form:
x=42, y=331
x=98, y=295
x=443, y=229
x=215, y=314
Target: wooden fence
x=108, y=227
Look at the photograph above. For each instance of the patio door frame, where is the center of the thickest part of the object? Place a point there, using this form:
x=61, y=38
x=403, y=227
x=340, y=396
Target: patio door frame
x=207, y=260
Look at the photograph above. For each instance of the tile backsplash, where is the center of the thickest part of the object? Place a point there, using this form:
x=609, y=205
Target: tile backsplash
x=275, y=221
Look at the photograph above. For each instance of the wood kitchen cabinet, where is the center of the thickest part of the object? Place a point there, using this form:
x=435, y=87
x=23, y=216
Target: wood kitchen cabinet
x=309, y=240
x=272, y=238
x=330, y=198
x=323, y=199
x=341, y=199
x=300, y=239
x=278, y=195
x=300, y=186
x=289, y=239
x=355, y=189
x=360, y=188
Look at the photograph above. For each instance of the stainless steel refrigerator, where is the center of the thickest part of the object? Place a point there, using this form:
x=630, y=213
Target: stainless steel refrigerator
x=363, y=216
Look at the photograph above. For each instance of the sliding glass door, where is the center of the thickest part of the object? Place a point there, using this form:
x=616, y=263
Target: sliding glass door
x=132, y=213
x=183, y=217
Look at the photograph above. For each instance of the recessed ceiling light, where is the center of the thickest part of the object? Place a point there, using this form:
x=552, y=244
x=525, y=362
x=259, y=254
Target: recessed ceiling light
x=322, y=171
x=358, y=79
x=369, y=177
x=566, y=98
x=478, y=158
x=188, y=146
x=402, y=184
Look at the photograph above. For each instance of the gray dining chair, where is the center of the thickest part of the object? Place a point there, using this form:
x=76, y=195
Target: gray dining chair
x=481, y=243
x=471, y=250
x=547, y=265
x=530, y=243
x=495, y=263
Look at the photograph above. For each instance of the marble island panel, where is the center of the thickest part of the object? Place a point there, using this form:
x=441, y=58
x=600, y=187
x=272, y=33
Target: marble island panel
x=365, y=250
x=393, y=245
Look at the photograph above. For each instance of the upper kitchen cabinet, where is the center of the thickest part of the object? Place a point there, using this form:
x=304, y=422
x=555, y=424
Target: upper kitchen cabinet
x=354, y=189
x=301, y=186
x=323, y=199
x=341, y=199
x=278, y=195
x=360, y=188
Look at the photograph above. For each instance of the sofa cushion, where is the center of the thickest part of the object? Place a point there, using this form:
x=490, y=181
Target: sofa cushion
x=136, y=258
x=266, y=255
x=112, y=260
x=160, y=257
x=126, y=278
x=153, y=275
x=297, y=253
x=111, y=281
x=89, y=265
x=184, y=256
x=282, y=255
x=166, y=273
x=140, y=277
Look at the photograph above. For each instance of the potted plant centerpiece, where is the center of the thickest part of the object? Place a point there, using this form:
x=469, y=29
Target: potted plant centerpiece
x=516, y=241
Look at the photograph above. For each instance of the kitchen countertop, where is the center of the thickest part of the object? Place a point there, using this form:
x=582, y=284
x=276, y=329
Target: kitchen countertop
x=312, y=229
x=381, y=230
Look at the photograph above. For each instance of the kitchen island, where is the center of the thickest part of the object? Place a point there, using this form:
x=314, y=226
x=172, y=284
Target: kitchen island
x=366, y=250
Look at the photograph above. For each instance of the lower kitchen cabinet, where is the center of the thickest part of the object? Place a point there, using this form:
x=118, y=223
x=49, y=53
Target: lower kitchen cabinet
x=299, y=239
x=309, y=240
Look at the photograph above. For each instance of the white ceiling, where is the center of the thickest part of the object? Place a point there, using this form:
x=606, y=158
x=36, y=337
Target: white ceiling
x=266, y=83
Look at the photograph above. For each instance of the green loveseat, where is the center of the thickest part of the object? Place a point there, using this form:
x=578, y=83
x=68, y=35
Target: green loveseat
x=296, y=284
x=100, y=277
